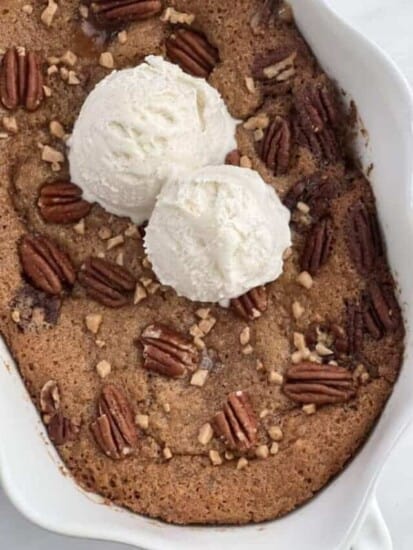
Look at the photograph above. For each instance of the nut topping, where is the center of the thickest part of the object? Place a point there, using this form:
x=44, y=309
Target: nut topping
x=251, y=305
x=275, y=148
x=61, y=202
x=192, y=52
x=312, y=383
x=21, y=80
x=316, y=120
x=233, y=158
x=275, y=71
x=106, y=282
x=35, y=309
x=276, y=65
x=168, y=352
x=61, y=430
x=363, y=237
x=45, y=264
x=318, y=246
x=354, y=329
x=50, y=398
x=317, y=193
x=114, y=429
x=265, y=15
x=115, y=12
x=381, y=312
x=236, y=424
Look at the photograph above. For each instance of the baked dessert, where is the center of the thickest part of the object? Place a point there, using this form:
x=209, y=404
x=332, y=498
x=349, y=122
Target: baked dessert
x=250, y=410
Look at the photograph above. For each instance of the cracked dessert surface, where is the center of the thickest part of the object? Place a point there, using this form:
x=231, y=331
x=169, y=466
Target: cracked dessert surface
x=334, y=302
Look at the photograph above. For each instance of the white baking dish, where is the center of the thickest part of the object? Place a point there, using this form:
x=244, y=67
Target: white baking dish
x=29, y=465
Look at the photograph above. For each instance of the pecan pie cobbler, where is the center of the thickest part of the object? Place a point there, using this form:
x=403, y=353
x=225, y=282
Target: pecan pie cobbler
x=191, y=412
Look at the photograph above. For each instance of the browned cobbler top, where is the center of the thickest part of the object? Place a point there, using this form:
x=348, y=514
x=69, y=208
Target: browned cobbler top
x=177, y=410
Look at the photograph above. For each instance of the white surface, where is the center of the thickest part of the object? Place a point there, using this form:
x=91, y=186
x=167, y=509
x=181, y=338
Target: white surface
x=374, y=534
x=395, y=491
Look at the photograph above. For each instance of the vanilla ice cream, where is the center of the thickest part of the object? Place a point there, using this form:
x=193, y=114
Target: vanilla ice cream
x=217, y=233
x=142, y=127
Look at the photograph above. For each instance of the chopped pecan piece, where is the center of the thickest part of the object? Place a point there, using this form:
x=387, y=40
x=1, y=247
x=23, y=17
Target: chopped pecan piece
x=46, y=265
x=318, y=246
x=331, y=335
x=114, y=429
x=277, y=66
x=236, y=424
x=265, y=15
x=106, y=282
x=314, y=191
x=21, y=80
x=167, y=352
x=342, y=341
x=233, y=158
x=274, y=71
x=363, y=237
x=275, y=148
x=251, y=305
x=192, y=52
x=50, y=398
x=61, y=202
x=36, y=309
x=61, y=430
x=381, y=313
x=115, y=12
x=316, y=120
x=319, y=384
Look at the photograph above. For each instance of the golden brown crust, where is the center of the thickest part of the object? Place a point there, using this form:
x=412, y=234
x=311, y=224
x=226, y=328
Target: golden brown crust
x=182, y=485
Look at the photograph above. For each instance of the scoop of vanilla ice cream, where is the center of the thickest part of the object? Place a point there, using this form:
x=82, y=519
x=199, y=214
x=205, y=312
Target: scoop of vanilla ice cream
x=142, y=127
x=218, y=233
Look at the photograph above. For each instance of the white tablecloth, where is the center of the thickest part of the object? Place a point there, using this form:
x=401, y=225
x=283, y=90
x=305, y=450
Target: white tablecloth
x=389, y=23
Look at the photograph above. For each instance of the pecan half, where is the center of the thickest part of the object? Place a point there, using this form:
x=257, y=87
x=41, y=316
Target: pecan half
x=251, y=305
x=114, y=429
x=106, y=282
x=50, y=398
x=381, y=312
x=275, y=148
x=21, y=80
x=236, y=424
x=167, y=352
x=318, y=246
x=45, y=264
x=192, y=52
x=314, y=191
x=363, y=237
x=115, y=12
x=61, y=202
x=316, y=120
x=61, y=430
x=354, y=328
x=319, y=384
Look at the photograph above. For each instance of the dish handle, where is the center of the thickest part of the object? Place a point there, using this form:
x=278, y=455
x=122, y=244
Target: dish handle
x=374, y=534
